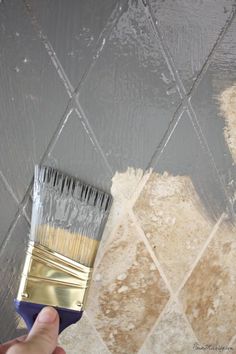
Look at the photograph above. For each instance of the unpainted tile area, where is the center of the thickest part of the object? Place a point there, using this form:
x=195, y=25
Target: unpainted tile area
x=171, y=335
x=82, y=338
x=129, y=96
x=173, y=220
x=209, y=295
x=127, y=293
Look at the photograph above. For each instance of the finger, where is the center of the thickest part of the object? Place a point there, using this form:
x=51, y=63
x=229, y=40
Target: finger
x=59, y=350
x=42, y=338
x=4, y=347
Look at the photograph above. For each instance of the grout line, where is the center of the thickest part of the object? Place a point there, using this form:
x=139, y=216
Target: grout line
x=156, y=323
x=49, y=49
x=188, y=324
x=232, y=341
x=9, y=232
x=203, y=141
x=173, y=295
x=166, y=137
x=200, y=254
x=117, y=12
x=55, y=136
x=151, y=252
x=104, y=35
x=164, y=49
x=186, y=97
x=91, y=135
x=8, y=187
x=96, y=331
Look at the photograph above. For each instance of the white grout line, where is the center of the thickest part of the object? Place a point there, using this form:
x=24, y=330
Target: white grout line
x=96, y=331
x=200, y=254
x=8, y=187
x=232, y=341
x=173, y=296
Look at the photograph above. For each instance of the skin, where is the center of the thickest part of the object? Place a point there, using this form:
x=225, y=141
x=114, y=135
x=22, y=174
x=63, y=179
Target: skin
x=42, y=339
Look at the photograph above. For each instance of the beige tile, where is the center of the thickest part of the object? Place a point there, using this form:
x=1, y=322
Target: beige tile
x=81, y=338
x=228, y=110
x=171, y=335
x=127, y=294
x=125, y=187
x=209, y=296
x=172, y=218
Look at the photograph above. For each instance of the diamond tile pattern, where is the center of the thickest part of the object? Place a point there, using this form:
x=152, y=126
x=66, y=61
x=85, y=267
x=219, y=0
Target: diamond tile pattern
x=164, y=280
x=129, y=96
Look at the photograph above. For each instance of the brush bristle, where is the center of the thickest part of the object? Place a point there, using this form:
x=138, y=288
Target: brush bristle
x=68, y=215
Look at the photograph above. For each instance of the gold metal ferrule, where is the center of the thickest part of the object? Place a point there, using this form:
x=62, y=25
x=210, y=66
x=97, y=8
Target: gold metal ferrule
x=49, y=278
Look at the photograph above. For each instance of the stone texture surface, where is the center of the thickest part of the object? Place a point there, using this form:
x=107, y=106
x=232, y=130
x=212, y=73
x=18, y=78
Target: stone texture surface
x=171, y=215
x=209, y=296
x=171, y=335
x=128, y=293
x=86, y=339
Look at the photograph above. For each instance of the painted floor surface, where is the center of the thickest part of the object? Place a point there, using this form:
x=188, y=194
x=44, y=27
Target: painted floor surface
x=94, y=87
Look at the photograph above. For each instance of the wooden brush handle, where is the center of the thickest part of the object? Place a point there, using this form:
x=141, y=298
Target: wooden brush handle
x=29, y=312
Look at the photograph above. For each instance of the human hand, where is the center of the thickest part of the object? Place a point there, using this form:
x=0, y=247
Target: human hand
x=42, y=339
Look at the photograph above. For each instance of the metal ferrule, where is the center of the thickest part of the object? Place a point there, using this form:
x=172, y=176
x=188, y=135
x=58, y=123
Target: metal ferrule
x=49, y=278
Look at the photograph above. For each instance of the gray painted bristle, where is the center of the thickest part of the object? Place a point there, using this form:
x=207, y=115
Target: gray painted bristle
x=65, y=202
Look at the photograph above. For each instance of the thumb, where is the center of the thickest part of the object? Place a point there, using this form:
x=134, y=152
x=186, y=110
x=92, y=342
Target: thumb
x=42, y=338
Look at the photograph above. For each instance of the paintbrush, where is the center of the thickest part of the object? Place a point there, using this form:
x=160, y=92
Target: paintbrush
x=68, y=218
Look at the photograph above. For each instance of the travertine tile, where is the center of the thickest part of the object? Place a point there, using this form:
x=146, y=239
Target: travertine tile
x=228, y=109
x=171, y=335
x=171, y=215
x=209, y=296
x=127, y=294
x=82, y=338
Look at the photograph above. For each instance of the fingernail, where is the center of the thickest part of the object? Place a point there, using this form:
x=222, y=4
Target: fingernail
x=47, y=315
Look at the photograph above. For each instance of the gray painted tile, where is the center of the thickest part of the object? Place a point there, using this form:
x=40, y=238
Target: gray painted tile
x=191, y=28
x=74, y=30
x=75, y=154
x=8, y=208
x=32, y=97
x=219, y=76
x=12, y=260
x=185, y=156
x=129, y=96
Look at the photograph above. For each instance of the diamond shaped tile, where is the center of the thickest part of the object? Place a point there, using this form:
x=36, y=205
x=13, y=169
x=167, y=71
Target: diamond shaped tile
x=129, y=96
x=173, y=220
x=82, y=338
x=32, y=95
x=8, y=207
x=214, y=102
x=171, y=335
x=75, y=154
x=209, y=296
x=179, y=205
x=191, y=29
x=12, y=259
x=74, y=31
x=127, y=293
